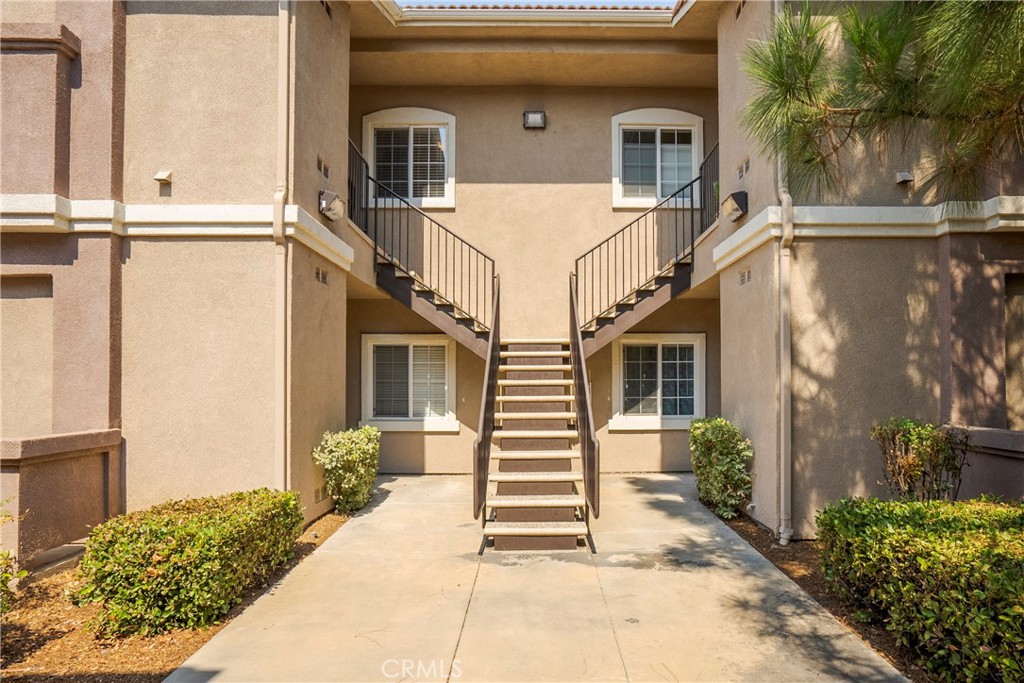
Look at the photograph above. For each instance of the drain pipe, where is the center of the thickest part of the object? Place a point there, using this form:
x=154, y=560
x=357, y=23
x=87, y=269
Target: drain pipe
x=284, y=11
x=785, y=344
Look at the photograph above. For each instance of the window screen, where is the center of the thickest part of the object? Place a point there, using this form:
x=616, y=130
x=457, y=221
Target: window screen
x=397, y=392
x=429, y=381
x=391, y=381
x=676, y=159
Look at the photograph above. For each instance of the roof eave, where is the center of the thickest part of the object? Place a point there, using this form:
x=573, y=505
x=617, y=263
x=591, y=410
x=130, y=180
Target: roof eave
x=413, y=16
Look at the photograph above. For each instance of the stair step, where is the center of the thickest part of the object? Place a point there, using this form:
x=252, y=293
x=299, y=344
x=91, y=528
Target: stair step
x=536, y=434
x=535, y=529
x=534, y=477
x=535, y=416
x=534, y=382
x=506, y=342
x=555, y=398
x=534, y=455
x=535, y=368
x=566, y=501
x=534, y=354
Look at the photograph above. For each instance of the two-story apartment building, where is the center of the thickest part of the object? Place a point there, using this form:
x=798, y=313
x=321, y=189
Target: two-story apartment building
x=527, y=242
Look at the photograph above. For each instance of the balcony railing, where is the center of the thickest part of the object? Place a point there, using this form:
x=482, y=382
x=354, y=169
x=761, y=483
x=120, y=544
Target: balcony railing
x=456, y=271
x=649, y=246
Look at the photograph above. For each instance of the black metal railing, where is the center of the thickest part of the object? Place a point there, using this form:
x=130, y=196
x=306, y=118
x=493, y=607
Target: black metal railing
x=590, y=449
x=710, y=203
x=485, y=430
x=648, y=246
x=455, y=270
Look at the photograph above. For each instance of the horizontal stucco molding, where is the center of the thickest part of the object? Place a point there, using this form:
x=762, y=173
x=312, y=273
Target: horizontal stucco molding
x=15, y=451
x=49, y=213
x=1003, y=213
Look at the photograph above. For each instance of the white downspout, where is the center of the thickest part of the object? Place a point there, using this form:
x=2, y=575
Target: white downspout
x=284, y=10
x=785, y=345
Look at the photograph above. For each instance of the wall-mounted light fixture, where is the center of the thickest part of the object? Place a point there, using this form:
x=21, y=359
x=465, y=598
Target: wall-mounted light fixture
x=535, y=119
x=163, y=177
x=904, y=177
x=735, y=205
x=331, y=205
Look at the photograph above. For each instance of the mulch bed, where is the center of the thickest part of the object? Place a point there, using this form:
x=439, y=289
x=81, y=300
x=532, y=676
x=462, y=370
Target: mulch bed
x=45, y=637
x=799, y=561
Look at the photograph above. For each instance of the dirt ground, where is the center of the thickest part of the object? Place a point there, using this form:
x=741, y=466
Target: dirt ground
x=45, y=637
x=799, y=561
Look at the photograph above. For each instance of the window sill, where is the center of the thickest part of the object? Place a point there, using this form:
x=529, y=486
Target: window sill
x=433, y=204
x=435, y=426
x=648, y=423
x=631, y=204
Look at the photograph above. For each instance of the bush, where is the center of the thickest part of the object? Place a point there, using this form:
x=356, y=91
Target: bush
x=8, y=572
x=720, y=457
x=947, y=579
x=185, y=563
x=350, y=460
x=922, y=461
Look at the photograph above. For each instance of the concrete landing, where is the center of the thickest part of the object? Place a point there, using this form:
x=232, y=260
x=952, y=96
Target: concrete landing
x=401, y=594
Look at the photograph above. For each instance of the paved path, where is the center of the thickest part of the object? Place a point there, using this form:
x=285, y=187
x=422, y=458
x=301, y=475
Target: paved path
x=400, y=593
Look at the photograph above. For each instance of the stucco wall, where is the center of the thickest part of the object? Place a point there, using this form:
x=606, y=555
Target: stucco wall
x=973, y=271
x=656, y=451
x=86, y=313
x=549, y=189
x=865, y=341
x=750, y=351
x=218, y=64
x=415, y=452
x=198, y=367
x=734, y=90
x=317, y=365
x=26, y=363
x=320, y=107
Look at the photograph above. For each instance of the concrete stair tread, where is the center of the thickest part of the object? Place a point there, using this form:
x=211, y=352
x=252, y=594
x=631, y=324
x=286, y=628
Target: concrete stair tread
x=536, y=434
x=546, y=398
x=533, y=477
x=534, y=455
x=506, y=342
x=536, y=501
x=535, y=529
x=534, y=382
x=552, y=415
x=534, y=354
x=535, y=368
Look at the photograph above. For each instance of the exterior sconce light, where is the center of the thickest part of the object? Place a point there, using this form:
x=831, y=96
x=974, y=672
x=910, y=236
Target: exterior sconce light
x=904, y=177
x=535, y=119
x=163, y=177
x=330, y=205
x=735, y=205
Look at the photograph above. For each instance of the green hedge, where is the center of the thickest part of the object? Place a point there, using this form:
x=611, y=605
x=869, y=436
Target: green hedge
x=947, y=579
x=350, y=460
x=184, y=564
x=720, y=457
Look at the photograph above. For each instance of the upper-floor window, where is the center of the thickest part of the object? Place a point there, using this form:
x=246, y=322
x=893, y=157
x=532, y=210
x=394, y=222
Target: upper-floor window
x=655, y=152
x=411, y=153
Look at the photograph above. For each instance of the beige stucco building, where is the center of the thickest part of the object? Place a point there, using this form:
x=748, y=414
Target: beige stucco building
x=231, y=226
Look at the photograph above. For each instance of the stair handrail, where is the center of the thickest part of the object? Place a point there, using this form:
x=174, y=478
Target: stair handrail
x=485, y=429
x=621, y=259
x=590, y=448
x=456, y=270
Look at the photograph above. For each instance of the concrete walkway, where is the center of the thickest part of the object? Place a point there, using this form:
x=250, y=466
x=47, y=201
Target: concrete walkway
x=400, y=593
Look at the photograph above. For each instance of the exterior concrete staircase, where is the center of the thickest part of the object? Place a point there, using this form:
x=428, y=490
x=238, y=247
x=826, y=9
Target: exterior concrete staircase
x=535, y=491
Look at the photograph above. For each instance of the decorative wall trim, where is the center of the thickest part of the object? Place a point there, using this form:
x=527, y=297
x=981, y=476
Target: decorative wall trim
x=998, y=214
x=40, y=38
x=49, y=213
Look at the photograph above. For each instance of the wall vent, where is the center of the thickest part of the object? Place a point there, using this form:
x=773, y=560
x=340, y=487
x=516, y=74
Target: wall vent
x=323, y=168
x=327, y=7
x=321, y=275
x=745, y=276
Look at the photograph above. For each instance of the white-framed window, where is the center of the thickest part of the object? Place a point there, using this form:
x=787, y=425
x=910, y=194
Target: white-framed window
x=658, y=381
x=411, y=151
x=408, y=382
x=655, y=152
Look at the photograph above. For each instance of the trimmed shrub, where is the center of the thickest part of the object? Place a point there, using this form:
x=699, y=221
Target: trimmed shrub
x=720, y=457
x=947, y=579
x=8, y=572
x=922, y=461
x=350, y=460
x=185, y=563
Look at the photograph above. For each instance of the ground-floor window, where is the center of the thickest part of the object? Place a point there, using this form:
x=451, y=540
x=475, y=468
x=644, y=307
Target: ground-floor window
x=408, y=382
x=658, y=381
